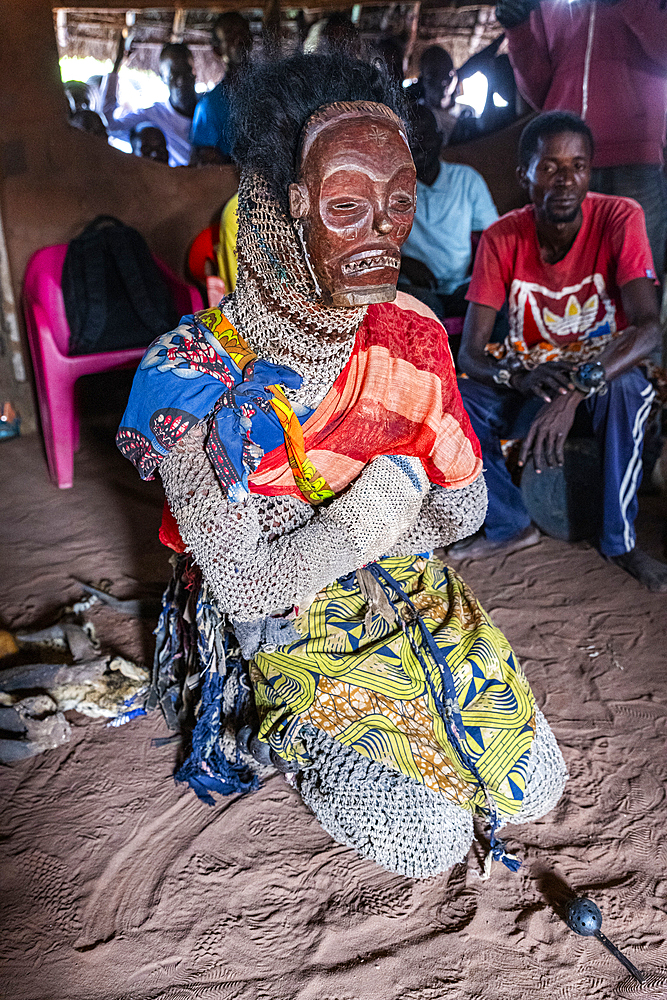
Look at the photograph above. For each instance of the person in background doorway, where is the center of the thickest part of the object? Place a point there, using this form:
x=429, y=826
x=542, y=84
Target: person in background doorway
x=583, y=314
x=149, y=142
x=503, y=103
x=436, y=88
x=210, y=135
x=172, y=117
x=453, y=206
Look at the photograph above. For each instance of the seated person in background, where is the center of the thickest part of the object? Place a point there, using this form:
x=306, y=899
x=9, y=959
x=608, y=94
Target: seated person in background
x=212, y=262
x=435, y=88
x=583, y=313
x=339, y=33
x=209, y=135
x=88, y=121
x=453, y=205
x=149, y=142
x=79, y=96
x=172, y=117
x=226, y=249
x=608, y=62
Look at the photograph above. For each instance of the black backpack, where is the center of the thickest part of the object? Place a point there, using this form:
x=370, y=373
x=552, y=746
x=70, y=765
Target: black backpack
x=115, y=296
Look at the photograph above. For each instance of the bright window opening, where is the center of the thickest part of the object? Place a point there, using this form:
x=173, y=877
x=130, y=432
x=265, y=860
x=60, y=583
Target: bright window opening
x=475, y=88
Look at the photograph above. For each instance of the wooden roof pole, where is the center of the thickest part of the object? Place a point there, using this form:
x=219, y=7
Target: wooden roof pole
x=178, y=25
x=61, y=27
x=414, y=28
x=271, y=28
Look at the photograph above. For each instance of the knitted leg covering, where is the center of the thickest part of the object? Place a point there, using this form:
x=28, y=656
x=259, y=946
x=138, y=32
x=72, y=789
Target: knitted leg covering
x=546, y=775
x=383, y=815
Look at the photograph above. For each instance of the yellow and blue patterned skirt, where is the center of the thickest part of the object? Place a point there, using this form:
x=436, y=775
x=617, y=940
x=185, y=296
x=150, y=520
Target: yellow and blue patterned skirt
x=373, y=685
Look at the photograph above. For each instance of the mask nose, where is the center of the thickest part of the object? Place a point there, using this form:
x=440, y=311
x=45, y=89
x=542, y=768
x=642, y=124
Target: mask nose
x=382, y=223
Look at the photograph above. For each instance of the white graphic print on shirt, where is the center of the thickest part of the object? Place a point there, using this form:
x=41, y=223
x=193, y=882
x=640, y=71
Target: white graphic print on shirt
x=575, y=313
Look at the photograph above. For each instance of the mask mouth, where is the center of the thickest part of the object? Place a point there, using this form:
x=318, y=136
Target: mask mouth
x=370, y=260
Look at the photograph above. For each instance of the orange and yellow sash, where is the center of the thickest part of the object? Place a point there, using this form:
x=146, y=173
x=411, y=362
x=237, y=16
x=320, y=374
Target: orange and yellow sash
x=310, y=483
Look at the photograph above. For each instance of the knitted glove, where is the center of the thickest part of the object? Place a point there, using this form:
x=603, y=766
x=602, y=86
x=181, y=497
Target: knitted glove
x=253, y=573
x=512, y=13
x=446, y=516
x=380, y=505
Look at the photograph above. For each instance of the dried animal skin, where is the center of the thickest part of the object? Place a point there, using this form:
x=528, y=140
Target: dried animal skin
x=97, y=689
x=42, y=725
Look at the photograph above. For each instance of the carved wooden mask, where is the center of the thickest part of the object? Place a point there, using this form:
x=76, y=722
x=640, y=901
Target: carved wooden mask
x=355, y=198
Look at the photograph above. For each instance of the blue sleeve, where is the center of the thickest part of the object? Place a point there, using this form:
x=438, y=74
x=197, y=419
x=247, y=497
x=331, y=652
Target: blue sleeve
x=210, y=123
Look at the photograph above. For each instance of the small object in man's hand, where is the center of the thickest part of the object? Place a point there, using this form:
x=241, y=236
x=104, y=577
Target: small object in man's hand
x=590, y=378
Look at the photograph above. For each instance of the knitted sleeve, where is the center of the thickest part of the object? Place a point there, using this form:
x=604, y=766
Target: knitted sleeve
x=446, y=516
x=268, y=554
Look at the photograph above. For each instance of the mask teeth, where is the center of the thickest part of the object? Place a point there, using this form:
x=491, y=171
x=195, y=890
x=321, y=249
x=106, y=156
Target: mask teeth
x=355, y=267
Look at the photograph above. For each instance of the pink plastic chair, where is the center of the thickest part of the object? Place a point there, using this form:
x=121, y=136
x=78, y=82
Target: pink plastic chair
x=454, y=325
x=55, y=371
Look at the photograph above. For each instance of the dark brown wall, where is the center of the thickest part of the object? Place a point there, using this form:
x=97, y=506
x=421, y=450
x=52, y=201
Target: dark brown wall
x=495, y=157
x=54, y=179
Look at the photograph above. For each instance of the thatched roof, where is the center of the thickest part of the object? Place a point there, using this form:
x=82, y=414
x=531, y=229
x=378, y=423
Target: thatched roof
x=461, y=28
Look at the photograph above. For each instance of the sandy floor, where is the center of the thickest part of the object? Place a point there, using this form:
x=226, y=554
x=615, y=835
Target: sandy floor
x=116, y=883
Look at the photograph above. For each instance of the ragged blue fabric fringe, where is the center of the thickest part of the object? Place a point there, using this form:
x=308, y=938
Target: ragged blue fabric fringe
x=207, y=769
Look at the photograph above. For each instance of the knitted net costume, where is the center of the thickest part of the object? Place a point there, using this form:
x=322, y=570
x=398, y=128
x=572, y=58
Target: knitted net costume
x=268, y=554
x=398, y=822
x=283, y=551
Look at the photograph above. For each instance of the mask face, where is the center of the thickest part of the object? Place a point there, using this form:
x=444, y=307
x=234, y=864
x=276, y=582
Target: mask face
x=356, y=200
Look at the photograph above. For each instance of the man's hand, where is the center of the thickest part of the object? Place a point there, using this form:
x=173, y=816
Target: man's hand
x=511, y=13
x=546, y=438
x=548, y=380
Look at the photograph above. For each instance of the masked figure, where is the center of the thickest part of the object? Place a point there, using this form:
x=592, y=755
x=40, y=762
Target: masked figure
x=314, y=452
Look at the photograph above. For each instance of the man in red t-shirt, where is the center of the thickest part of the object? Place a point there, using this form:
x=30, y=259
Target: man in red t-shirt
x=577, y=272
